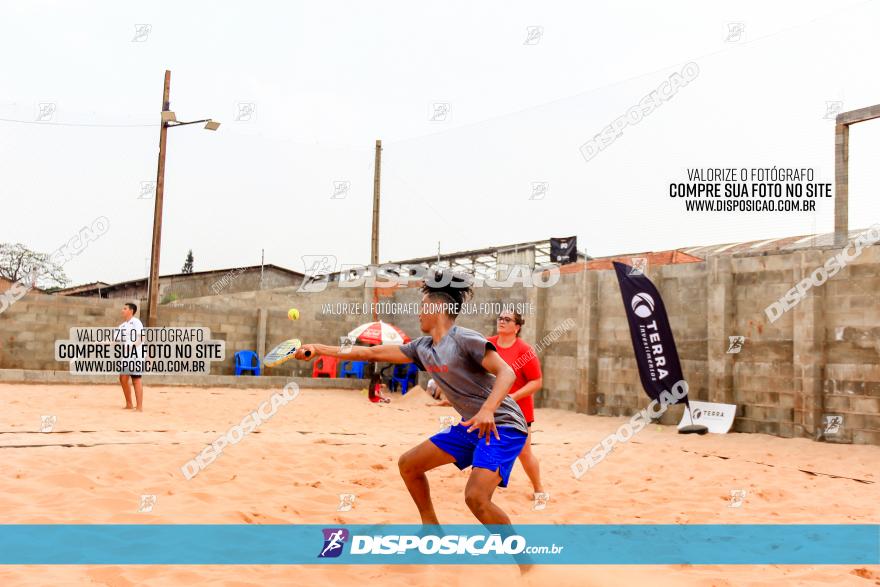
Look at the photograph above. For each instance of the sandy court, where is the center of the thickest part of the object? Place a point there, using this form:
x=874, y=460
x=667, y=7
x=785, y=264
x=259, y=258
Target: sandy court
x=100, y=459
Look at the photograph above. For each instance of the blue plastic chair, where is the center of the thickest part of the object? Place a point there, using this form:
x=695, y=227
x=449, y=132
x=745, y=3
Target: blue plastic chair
x=352, y=368
x=404, y=376
x=247, y=361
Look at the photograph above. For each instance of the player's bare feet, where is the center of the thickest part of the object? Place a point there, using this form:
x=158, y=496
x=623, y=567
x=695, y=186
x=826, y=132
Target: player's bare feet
x=128, y=408
x=138, y=409
x=541, y=499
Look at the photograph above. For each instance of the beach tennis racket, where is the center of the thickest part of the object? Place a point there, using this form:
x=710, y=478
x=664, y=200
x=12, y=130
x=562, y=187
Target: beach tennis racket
x=283, y=353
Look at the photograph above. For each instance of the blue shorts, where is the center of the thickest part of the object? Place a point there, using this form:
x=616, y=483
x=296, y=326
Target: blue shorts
x=468, y=449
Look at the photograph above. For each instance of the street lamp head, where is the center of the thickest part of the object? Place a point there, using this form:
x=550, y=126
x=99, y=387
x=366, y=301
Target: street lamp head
x=168, y=116
x=212, y=125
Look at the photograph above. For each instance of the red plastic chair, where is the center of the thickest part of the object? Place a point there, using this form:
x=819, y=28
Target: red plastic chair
x=324, y=366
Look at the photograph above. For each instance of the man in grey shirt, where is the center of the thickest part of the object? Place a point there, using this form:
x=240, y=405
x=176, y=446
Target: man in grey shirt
x=476, y=380
x=456, y=365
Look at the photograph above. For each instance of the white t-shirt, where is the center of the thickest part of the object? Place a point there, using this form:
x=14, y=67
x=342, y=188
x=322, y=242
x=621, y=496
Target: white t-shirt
x=132, y=336
x=132, y=329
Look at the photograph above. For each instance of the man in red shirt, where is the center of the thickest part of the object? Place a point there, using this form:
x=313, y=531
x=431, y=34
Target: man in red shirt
x=522, y=359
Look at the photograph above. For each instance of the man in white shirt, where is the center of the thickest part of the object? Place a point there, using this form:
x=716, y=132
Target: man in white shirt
x=131, y=331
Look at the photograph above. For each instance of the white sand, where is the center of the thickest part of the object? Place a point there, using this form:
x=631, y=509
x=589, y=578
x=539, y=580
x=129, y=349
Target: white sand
x=329, y=442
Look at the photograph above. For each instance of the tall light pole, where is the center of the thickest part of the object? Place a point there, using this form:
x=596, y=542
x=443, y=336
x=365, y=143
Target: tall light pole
x=168, y=120
x=374, y=241
x=157, y=210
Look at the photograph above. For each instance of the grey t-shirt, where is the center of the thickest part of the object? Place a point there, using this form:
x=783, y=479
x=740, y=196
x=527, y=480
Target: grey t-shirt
x=456, y=365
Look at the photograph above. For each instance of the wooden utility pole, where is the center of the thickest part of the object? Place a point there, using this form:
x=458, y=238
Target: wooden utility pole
x=374, y=248
x=377, y=173
x=152, y=298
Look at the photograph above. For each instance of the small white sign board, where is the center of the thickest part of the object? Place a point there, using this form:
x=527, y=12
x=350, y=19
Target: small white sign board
x=718, y=418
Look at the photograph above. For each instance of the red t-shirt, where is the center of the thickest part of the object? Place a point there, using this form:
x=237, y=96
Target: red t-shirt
x=526, y=366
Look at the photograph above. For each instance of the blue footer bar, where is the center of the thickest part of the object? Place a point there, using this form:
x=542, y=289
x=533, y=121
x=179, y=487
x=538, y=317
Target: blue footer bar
x=575, y=544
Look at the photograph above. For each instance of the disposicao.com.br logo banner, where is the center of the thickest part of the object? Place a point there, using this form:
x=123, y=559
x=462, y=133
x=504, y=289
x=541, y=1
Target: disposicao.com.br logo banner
x=494, y=541
x=575, y=544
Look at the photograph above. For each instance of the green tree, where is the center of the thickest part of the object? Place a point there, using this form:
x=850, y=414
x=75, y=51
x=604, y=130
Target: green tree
x=169, y=297
x=188, y=264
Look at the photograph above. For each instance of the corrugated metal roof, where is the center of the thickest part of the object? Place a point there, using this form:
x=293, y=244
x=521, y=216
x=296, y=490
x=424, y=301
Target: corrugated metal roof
x=671, y=257
x=80, y=288
x=774, y=245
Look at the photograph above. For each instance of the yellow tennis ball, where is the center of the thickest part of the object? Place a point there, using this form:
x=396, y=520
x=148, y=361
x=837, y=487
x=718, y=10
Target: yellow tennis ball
x=293, y=314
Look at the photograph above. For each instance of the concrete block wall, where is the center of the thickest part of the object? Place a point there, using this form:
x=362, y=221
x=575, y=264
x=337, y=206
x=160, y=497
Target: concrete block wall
x=763, y=375
x=850, y=386
x=558, y=305
x=819, y=359
x=618, y=382
x=237, y=328
x=30, y=327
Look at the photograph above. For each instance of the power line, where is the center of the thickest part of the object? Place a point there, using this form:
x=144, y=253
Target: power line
x=521, y=110
x=94, y=125
x=731, y=47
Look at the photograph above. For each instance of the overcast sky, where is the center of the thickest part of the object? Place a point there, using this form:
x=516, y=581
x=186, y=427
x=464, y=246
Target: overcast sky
x=324, y=80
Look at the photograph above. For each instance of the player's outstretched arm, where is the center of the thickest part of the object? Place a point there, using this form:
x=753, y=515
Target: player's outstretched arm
x=386, y=353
